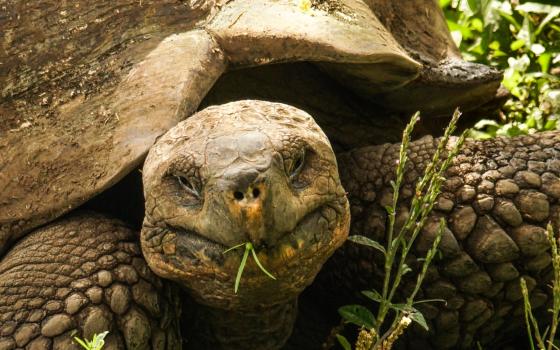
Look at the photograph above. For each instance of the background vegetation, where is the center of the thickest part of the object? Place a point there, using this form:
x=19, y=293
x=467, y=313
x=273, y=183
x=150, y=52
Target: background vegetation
x=522, y=39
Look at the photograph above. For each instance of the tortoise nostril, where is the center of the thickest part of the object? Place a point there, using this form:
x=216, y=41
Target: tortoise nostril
x=238, y=195
x=256, y=193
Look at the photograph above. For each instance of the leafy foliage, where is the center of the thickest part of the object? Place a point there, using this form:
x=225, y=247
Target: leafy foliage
x=523, y=40
x=376, y=332
x=96, y=343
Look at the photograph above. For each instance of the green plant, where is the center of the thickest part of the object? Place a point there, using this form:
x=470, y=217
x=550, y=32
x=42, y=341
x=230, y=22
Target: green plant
x=248, y=249
x=376, y=332
x=524, y=41
x=546, y=340
x=96, y=343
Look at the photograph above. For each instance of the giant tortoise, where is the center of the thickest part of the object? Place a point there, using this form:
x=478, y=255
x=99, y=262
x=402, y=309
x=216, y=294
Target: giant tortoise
x=87, y=89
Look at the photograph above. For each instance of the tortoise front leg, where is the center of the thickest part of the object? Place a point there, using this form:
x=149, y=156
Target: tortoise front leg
x=84, y=274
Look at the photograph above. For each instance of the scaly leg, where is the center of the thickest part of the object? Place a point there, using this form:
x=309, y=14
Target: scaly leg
x=84, y=274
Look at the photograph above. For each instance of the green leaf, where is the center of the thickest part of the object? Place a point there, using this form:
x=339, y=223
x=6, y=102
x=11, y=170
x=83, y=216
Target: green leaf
x=357, y=315
x=551, y=15
x=260, y=266
x=417, y=317
x=476, y=24
x=466, y=33
x=389, y=209
x=494, y=45
x=82, y=343
x=474, y=5
x=485, y=123
x=343, y=342
x=363, y=240
x=508, y=17
x=550, y=124
x=526, y=31
x=411, y=312
x=544, y=61
x=400, y=307
x=555, y=27
x=480, y=135
x=234, y=247
x=99, y=340
x=406, y=269
x=241, y=268
x=373, y=295
x=517, y=44
x=514, y=130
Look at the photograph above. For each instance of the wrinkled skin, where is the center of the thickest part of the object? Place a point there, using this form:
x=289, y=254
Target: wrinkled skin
x=247, y=171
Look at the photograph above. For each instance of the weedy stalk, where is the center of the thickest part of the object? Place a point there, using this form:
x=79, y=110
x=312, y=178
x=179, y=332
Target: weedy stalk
x=398, y=246
x=544, y=341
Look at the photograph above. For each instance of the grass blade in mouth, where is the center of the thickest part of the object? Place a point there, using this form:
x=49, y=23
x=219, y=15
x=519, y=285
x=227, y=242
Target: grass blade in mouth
x=248, y=248
x=234, y=247
x=242, y=266
x=259, y=263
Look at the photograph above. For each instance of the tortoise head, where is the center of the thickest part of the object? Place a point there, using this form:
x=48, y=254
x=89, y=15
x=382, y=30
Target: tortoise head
x=244, y=172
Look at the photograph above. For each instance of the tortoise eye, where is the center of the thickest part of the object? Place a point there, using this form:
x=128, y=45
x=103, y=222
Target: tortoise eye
x=188, y=185
x=297, y=165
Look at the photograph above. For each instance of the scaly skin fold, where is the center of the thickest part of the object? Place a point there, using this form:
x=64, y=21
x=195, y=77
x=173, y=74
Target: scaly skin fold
x=497, y=198
x=84, y=273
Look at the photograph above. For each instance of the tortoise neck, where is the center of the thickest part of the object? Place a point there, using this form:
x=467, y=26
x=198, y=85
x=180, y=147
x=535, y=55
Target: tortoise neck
x=266, y=327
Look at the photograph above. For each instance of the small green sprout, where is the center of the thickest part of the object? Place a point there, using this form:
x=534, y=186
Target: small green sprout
x=96, y=343
x=248, y=248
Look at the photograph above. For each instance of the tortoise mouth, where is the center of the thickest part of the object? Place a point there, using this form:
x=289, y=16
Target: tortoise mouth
x=200, y=265
x=292, y=240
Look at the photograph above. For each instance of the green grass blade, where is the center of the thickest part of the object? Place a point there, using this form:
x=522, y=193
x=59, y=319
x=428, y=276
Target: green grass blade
x=82, y=343
x=234, y=247
x=260, y=265
x=242, y=266
x=343, y=342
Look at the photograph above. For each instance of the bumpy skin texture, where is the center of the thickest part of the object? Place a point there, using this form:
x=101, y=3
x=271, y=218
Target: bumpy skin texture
x=497, y=199
x=85, y=274
x=247, y=171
